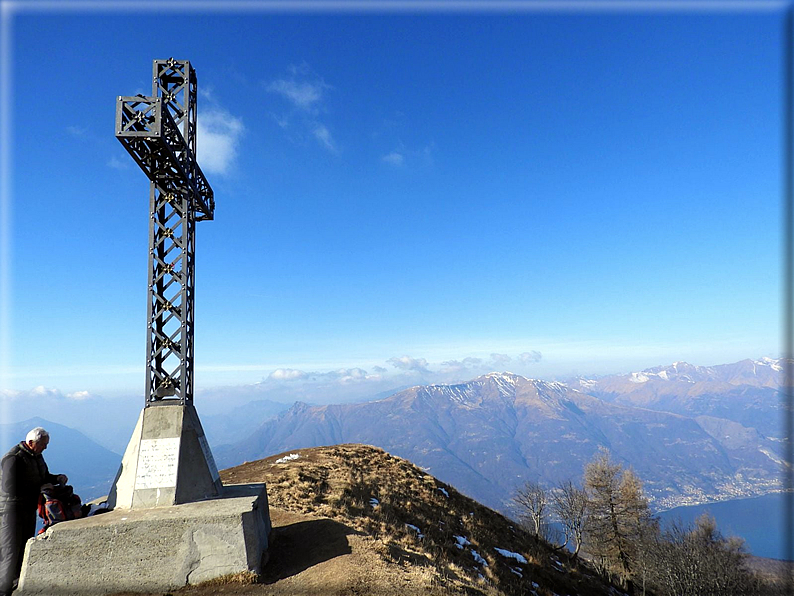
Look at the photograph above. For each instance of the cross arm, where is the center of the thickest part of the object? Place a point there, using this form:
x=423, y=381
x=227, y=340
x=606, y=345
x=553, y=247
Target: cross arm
x=154, y=141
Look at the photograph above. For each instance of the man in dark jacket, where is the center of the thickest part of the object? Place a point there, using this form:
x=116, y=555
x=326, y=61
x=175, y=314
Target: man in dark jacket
x=23, y=473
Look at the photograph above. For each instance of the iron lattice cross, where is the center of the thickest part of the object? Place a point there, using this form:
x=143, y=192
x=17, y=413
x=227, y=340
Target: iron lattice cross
x=160, y=134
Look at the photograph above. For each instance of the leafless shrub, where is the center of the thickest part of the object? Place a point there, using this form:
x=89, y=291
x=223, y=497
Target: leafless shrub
x=569, y=502
x=531, y=501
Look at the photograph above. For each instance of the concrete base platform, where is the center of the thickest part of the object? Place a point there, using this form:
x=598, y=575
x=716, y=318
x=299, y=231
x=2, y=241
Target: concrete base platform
x=151, y=550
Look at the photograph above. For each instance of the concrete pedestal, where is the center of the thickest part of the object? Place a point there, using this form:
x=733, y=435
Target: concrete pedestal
x=167, y=461
x=152, y=549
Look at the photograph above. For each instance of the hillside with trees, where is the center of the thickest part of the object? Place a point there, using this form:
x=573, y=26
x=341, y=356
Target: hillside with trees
x=608, y=522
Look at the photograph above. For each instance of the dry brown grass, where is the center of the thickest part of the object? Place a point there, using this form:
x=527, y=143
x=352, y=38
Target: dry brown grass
x=329, y=537
x=339, y=483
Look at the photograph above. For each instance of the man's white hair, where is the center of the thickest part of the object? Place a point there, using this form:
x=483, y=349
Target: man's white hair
x=36, y=435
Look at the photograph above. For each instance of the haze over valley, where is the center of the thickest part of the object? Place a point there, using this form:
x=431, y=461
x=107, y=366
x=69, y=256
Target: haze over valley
x=694, y=434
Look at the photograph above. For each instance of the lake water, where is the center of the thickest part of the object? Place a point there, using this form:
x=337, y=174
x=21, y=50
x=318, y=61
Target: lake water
x=758, y=520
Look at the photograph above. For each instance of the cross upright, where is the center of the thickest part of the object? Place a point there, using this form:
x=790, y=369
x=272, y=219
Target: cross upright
x=160, y=134
x=168, y=460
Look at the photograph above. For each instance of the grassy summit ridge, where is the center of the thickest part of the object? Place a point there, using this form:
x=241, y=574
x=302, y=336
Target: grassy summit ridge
x=409, y=532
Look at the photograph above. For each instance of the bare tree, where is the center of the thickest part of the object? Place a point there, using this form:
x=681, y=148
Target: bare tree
x=531, y=500
x=569, y=502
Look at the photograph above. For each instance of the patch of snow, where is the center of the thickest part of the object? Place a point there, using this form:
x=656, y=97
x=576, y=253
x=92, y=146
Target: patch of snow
x=663, y=375
x=462, y=394
x=517, y=571
x=443, y=491
x=478, y=558
x=374, y=502
x=415, y=529
x=772, y=457
x=461, y=542
x=770, y=362
x=638, y=378
x=286, y=458
x=511, y=555
x=535, y=585
x=505, y=384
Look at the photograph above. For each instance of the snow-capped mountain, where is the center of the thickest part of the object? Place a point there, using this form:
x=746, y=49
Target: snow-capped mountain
x=493, y=433
x=747, y=392
x=764, y=372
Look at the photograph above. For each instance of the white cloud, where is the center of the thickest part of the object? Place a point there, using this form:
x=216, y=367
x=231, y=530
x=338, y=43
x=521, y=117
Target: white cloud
x=287, y=374
x=282, y=121
x=217, y=138
x=42, y=391
x=304, y=95
x=77, y=131
x=500, y=359
x=465, y=363
x=304, y=92
x=530, y=357
x=408, y=363
x=9, y=394
x=323, y=135
x=348, y=373
x=467, y=366
x=341, y=375
x=119, y=164
x=394, y=158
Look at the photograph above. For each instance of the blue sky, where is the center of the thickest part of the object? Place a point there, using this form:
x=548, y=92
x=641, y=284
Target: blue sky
x=401, y=196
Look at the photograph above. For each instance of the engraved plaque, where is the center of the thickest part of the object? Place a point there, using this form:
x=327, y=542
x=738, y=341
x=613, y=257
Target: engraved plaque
x=208, y=456
x=157, y=463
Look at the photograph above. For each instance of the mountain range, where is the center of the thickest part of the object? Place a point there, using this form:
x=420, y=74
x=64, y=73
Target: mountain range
x=693, y=434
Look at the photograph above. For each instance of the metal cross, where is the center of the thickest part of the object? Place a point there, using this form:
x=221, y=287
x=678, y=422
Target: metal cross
x=160, y=134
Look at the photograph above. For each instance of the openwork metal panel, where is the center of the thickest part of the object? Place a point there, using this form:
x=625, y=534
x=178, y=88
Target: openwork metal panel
x=159, y=132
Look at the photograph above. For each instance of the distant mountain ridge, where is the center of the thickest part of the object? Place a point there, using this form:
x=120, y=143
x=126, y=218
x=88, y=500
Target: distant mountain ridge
x=747, y=392
x=493, y=433
x=89, y=466
x=764, y=372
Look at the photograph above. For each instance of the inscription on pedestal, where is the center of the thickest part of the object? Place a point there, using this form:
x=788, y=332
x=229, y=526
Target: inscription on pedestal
x=157, y=463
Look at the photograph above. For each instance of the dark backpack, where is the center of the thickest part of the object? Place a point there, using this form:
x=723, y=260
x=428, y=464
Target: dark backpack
x=58, y=504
